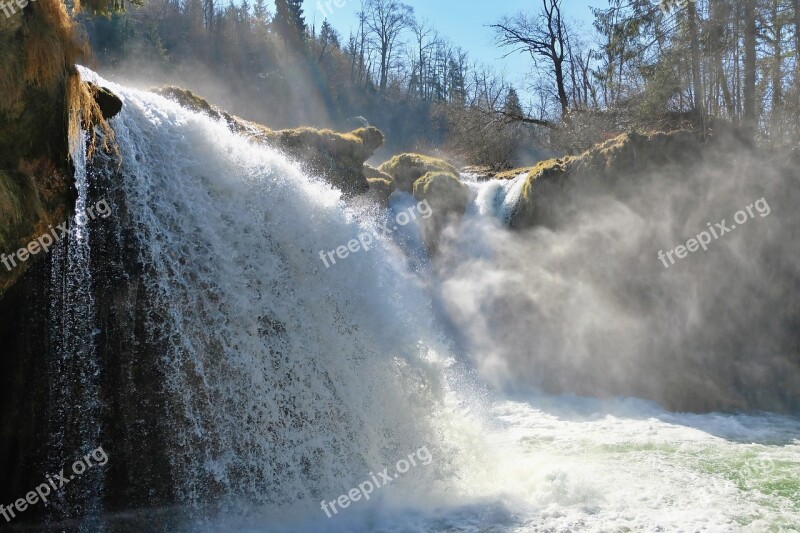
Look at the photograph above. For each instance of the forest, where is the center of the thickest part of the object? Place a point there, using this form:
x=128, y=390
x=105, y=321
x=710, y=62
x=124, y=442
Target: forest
x=397, y=71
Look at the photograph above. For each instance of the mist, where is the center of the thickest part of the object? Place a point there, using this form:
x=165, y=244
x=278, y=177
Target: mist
x=583, y=305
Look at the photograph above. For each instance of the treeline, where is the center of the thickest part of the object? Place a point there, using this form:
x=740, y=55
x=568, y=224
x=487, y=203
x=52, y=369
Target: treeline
x=655, y=64
x=666, y=63
x=266, y=62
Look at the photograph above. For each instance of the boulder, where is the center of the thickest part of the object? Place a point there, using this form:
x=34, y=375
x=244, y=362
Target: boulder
x=109, y=103
x=448, y=198
x=406, y=169
x=380, y=190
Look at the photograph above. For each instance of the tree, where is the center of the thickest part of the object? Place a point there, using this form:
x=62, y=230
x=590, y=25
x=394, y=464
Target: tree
x=750, y=63
x=289, y=22
x=694, y=37
x=425, y=39
x=542, y=36
x=328, y=39
x=512, y=106
x=386, y=20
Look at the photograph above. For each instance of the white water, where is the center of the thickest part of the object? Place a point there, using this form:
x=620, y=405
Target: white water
x=291, y=382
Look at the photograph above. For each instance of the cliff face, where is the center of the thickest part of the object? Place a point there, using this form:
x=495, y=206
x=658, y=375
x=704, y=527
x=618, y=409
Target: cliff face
x=42, y=105
x=34, y=185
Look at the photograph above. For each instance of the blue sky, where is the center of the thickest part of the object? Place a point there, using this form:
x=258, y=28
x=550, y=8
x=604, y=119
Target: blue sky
x=463, y=22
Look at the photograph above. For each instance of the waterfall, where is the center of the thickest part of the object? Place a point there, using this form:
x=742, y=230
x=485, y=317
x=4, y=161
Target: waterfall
x=75, y=371
x=288, y=381
x=237, y=381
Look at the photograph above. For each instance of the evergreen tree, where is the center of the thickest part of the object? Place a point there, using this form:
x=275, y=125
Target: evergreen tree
x=289, y=21
x=512, y=106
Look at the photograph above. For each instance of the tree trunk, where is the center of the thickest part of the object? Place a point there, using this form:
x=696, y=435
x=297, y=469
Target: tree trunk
x=697, y=85
x=777, y=73
x=750, y=31
x=558, y=64
x=720, y=17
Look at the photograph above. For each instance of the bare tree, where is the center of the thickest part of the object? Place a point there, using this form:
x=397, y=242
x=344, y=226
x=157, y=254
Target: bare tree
x=386, y=20
x=543, y=36
x=425, y=39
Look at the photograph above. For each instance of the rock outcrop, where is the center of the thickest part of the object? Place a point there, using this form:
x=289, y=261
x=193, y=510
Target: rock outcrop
x=624, y=156
x=381, y=186
x=448, y=198
x=338, y=157
x=42, y=105
x=406, y=169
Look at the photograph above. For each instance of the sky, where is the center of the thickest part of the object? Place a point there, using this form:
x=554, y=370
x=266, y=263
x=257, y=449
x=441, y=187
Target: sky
x=464, y=23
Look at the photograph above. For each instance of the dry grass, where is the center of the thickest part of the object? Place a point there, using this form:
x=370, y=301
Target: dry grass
x=84, y=112
x=51, y=44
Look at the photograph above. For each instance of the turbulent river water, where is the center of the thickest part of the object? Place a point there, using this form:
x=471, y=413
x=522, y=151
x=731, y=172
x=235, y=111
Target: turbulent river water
x=292, y=383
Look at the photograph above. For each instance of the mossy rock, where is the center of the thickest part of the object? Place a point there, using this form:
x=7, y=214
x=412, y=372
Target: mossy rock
x=443, y=191
x=36, y=95
x=623, y=157
x=512, y=173
x=337, y=157
x=406, y=169
x=380, y=190
x=109, y=103
x=373, y=173
x=537, y=202
x=635, y=152
x=187, y=99
x=447, y=197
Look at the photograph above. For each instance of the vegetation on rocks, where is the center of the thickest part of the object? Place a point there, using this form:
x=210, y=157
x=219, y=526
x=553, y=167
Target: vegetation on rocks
x=338, y=157
x=380, y=190
x=43, y=104
x=617, y=158
x=406, y=169
x=448, y=198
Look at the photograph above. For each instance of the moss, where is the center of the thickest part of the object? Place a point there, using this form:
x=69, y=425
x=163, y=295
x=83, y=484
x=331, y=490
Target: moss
x=380, y=190
x=627, y=155
x=374, y=173
x=371, y=137
x=513, y=173
x=635, y=152
x=406, y=169
x=27, y=207
x=442, y=190
x=448, y=198
x=189, y=100
x=337, y=157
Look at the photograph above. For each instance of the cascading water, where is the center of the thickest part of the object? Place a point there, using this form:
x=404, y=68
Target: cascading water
x=288, y=380
x=288, y=383
x=74, y=419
